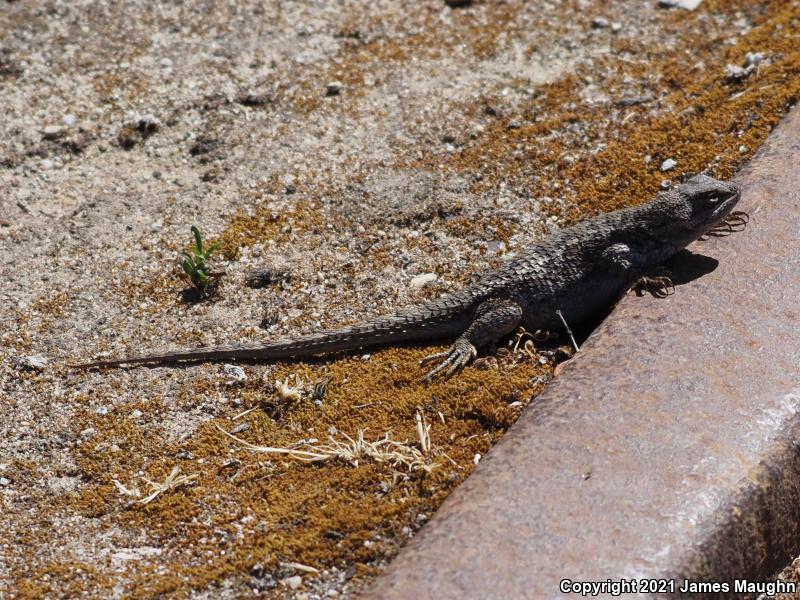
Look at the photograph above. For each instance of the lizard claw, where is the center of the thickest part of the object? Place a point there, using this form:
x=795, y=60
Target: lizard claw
x=455, y=359
x=736, y=221
x=658, y=285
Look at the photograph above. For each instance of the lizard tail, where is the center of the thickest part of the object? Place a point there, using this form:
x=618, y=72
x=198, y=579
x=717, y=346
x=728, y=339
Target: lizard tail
x=443, y=318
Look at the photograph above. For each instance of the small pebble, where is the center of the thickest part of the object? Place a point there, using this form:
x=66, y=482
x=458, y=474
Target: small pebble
x=616, y=26
x=136, y=413
x=687, y=4
x=88, y=432
x=234, y=373
x=753, y=59
x=333, y=88
x=166, y=63
x=4, y=481
x=254, y=98
x=668, y=164
x=737, y=73
x=514, y=124
x=144, y=123
x=240, y=428
x=294, y=582
x=47, y=164
x=101, y=410
x=421, y=281
x=52, y=132
x=477, y=458
x=666, y=184
x=70, y=120
x=496, y=247
x=34, y=362
x=600, y=23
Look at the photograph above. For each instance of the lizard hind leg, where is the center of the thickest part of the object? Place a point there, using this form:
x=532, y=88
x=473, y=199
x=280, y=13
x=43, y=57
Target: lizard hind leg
x=494, y=318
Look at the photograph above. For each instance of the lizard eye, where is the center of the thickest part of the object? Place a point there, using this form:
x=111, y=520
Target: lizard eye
x=712, y=197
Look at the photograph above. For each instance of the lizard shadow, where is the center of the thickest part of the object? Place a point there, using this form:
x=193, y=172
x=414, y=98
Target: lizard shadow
x=683, y=268
x=686, y=266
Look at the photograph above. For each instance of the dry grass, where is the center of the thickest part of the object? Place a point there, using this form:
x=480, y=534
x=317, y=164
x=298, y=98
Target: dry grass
x=352, y=450
x=173, y=481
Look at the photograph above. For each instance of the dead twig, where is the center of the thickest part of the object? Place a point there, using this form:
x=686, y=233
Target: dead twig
x=569, y=331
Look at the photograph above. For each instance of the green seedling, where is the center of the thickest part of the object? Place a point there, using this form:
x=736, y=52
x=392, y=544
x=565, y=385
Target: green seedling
x=194, y=264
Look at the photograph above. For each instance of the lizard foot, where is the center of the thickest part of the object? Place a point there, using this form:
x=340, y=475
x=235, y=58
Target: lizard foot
x=454, y=359
x=659, y=286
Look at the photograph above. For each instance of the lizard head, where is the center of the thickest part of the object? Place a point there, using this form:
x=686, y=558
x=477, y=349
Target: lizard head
x=701, y=203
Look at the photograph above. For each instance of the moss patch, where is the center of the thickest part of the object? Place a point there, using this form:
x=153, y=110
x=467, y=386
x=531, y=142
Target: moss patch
x=247, y=509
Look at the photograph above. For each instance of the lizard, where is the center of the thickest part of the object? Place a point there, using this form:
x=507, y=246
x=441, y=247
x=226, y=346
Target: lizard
x=568, y=276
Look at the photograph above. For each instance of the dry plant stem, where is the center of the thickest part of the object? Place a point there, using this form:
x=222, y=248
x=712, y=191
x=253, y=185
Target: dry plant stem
x=243, y=413
x=423, y=432
x=299, y=567
x=173, y=481
x=296, y=454
x=569, y=331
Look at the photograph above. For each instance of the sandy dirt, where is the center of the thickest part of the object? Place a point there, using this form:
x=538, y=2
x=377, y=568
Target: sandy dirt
x=348, y=148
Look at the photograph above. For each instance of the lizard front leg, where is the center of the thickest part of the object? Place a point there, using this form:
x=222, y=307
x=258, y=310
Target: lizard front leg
x=657, y=282
x=494, y=318
x=624, y=259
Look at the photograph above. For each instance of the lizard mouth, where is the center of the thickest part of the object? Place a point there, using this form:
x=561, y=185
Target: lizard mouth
x=722, y=204
x=723, y=220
